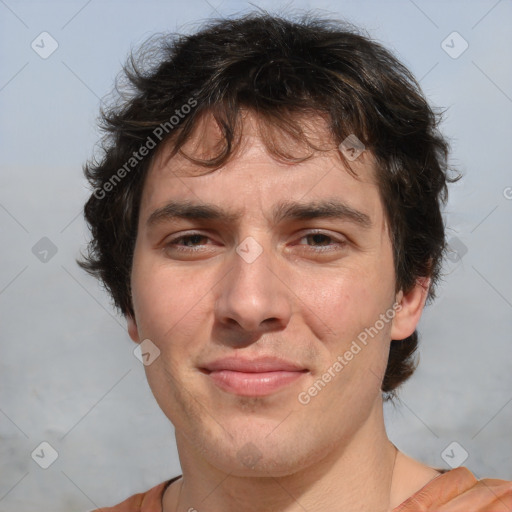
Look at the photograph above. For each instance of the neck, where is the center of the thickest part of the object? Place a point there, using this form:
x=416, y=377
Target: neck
x=356, y=475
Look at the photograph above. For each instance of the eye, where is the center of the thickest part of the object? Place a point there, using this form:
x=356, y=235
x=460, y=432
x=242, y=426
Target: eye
x=187, y=243
x=322, y=242
x=316, y=242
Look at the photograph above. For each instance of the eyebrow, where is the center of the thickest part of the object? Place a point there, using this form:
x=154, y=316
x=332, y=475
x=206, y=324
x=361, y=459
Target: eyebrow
x=283, y=211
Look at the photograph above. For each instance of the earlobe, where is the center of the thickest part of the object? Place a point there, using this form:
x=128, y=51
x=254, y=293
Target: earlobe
x=411, y=306
x=132, y=328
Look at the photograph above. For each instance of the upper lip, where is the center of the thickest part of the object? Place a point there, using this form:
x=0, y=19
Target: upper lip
x=253, y=365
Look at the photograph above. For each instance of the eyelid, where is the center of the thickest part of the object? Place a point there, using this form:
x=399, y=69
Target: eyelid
x=336, y=238
x=176, y=237
x=318, y=231
x=337, y=241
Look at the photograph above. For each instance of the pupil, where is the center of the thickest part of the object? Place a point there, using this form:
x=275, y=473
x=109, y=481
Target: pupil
x=319, y=238
x=195, y=239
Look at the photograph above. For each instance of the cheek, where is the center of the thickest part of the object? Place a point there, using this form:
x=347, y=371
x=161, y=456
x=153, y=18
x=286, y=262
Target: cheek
x=163, y=297
x=343, y=312
x=174, y=310
x=340, y=305
x=151, y=303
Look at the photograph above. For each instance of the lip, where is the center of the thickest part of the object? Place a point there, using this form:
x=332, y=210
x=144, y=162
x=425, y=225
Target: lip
x=253, y=377
x=254, y=365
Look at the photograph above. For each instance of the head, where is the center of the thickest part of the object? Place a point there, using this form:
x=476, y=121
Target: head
x=236, y=138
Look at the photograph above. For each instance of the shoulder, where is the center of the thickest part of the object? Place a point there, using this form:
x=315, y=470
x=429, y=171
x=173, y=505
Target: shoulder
x=461, y=489
x=149, y=501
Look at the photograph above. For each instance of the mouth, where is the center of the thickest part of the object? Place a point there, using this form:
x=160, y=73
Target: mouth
x=253, y=377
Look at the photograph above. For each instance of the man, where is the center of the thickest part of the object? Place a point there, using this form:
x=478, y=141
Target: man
x=266, y=214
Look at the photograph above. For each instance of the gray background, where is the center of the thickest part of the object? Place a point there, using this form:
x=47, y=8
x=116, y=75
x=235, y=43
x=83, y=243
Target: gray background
x=68, y=373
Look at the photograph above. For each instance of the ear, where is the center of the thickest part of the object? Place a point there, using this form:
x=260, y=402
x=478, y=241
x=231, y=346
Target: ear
x=411, y=306
x=132, y=328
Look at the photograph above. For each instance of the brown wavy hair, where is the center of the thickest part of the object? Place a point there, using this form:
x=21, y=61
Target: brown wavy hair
x=280, y=69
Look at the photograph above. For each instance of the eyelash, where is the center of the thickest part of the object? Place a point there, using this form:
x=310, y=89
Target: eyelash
x=180, y=248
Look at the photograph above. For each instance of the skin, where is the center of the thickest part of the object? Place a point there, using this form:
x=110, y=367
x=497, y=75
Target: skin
x=460, y=491
x=293, y=301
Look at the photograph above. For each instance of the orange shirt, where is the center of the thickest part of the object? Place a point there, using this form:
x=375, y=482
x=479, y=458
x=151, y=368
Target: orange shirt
x=440, y=490
x=149, y=501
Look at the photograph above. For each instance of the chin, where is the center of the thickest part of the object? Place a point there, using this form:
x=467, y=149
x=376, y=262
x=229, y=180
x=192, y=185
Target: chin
x=250, y=461
x=254, y=452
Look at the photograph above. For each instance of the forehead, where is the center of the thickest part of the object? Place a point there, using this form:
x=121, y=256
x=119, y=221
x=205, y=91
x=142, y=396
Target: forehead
x=253, y=177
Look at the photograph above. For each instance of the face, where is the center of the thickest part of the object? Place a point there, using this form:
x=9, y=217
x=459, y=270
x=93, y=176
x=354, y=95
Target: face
x=273, y=310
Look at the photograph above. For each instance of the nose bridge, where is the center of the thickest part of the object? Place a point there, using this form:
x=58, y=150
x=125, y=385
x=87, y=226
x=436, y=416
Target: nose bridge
x=252, y=294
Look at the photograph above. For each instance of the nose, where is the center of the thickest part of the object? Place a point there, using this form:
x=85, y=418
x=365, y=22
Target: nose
x=253, y=297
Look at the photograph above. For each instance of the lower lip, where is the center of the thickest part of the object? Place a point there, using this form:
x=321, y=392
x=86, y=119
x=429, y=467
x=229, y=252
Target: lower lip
x=253, y=384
